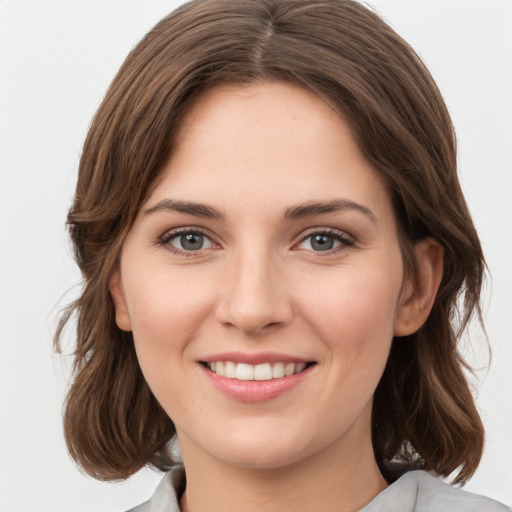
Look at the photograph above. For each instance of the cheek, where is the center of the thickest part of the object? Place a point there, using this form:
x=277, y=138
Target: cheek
x=357, y=301
x=353, y=313
x=166, y=312
x=354, y=321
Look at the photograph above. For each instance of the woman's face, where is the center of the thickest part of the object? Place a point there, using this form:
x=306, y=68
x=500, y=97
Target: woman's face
x=262, y=280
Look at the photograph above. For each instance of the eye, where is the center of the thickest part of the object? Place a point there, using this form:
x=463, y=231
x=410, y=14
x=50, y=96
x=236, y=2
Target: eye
x=324, y=241
x=185, y=241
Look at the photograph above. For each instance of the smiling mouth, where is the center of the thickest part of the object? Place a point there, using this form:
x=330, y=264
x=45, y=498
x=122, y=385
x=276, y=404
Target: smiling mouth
x=258, y=372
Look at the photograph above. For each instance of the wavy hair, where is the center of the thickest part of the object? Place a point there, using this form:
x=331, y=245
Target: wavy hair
x=423, y=413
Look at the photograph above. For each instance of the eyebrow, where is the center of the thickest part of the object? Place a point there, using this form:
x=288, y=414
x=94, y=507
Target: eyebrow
x=301, y=211
x=188, y=207
x=306, y=210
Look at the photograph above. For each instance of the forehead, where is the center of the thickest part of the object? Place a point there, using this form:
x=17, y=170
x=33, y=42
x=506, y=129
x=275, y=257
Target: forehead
x=281, y=108
x=270, y=140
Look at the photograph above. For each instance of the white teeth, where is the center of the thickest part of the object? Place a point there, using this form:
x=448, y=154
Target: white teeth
x=244, y=371
x=299, y=367
x=230, y=370
x=289, y=369
x=265, y=371
x=278, y=370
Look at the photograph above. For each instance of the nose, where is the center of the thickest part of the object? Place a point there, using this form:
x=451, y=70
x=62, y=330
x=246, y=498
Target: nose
x=253, y=296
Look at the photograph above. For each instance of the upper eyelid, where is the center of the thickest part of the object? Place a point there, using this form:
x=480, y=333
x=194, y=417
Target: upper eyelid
x=164, y=241
x=169, y=233
x=325, y=231
x=330, y=231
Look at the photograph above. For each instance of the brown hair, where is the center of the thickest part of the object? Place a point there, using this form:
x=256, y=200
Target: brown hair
x=424, y=413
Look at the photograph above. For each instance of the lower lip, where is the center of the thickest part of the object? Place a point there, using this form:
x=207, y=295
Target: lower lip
x=255, y=390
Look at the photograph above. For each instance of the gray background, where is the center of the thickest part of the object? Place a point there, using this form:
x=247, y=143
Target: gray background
x=56, y=61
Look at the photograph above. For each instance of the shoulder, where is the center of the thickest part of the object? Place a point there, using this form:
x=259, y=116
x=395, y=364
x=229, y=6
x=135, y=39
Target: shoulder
x=144, y=507
x=418, y=491
x=167, y=494
x=434, y=493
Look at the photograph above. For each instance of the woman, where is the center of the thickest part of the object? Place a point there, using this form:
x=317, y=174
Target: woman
x=273, y=241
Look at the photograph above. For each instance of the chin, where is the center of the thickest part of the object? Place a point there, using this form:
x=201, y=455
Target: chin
x=260, y=458
x=263, y=450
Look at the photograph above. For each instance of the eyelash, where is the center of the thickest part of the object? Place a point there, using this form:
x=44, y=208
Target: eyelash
x=338, y=236
x=166, y=238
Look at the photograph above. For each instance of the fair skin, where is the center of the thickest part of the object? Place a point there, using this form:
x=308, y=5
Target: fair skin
x=269, y=242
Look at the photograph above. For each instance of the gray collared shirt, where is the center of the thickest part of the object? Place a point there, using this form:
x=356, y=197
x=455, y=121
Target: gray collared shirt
x=415, y=491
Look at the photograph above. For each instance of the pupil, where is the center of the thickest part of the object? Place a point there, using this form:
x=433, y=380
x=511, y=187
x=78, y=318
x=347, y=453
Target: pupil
x=322, y=242
x=191, y=241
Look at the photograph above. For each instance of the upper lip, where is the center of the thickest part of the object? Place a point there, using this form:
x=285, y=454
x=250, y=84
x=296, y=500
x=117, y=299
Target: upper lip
x=257, y=358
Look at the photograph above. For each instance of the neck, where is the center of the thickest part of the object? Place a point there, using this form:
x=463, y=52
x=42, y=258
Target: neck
x=341, y=478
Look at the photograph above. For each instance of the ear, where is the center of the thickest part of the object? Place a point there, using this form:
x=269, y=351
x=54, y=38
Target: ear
x=116, y=291
x=419, y=292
